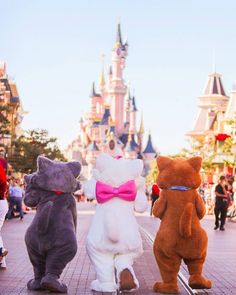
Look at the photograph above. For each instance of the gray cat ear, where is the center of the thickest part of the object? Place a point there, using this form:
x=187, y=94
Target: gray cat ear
x=27, y=178
x=75, y=168
x=43, y=163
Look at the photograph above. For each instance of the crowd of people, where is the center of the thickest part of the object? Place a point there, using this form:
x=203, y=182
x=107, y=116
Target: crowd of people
x=11, y=205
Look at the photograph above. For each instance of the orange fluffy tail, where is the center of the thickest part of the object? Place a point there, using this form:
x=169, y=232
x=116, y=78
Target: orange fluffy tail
x=185, y=222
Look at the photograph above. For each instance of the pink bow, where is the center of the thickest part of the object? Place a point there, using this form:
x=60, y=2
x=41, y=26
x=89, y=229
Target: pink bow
x=126, y=191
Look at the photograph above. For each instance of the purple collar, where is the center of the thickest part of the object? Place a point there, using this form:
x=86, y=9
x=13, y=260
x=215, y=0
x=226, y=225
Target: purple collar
x=179, y=188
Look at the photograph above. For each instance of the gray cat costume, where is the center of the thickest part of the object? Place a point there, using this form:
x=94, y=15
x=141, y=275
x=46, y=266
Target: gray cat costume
x=51, y=239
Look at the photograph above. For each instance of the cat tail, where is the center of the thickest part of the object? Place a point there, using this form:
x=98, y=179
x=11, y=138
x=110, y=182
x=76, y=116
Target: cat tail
x=185, y=222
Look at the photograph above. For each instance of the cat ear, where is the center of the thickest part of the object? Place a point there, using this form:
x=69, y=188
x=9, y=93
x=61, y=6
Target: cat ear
x=136, y=167
x=103, y=160
x=43, y=163
x=163, y=162
x=27, y=178
x=75, y=168
x=196, y=163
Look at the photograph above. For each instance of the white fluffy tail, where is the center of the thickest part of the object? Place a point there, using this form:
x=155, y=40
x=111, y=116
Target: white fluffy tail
x=111, y=227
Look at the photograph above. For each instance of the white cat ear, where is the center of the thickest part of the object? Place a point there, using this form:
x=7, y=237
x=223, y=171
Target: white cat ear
x=95, y=174
x=136, y=167
x=43, y=163
x=103, y=160
x=75, y=168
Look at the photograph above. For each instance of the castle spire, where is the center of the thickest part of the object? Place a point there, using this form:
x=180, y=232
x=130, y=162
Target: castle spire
x=118, y=36
x=149, y=147
x=93, y=91
x=102, y=81
x=133, y=105
x=141, y=128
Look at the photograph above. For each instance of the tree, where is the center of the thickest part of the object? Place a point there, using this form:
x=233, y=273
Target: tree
x=28, y=147
x=152, y=176
x=4, y=122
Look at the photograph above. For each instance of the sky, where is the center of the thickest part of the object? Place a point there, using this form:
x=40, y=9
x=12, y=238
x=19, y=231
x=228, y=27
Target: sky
x=53, y=51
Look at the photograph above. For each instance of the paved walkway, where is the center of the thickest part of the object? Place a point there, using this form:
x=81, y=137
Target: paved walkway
x=220, y=265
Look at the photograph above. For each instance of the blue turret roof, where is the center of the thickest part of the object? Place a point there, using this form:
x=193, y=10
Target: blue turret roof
x=93, y=146
x=149, y=147
x=106, y=115
x=93, y=91
x=133, y=142
x=133, y=107
x=112, y=129
x=95, y=124
x=124, y=138
x=129, y=147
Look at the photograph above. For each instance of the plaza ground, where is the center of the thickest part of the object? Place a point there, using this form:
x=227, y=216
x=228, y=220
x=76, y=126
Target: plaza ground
x=220, y=265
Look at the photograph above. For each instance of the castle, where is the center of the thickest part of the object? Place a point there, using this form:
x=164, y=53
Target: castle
x=11, y=112
x=111, y=122
x=214, y=132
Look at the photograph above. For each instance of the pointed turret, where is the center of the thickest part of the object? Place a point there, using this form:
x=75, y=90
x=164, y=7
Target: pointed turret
x=102, y=81
x=110, y=70
x=130, y=151
x=129, y=146
x=118, y=36
x=212, y=104
x=106, y=116
x=141, y=128
x=133, y=107
x=93, y=147
x=230, y=113
x=93, y=91
x=214, y=85
x=149, y=147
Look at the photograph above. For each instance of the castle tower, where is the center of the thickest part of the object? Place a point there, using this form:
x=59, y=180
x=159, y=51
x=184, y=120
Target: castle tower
x=130, y=152
x=230, y=114
x=102, y=82
x=118, y=88
x=140, y=134
x=96, y=104
x=104, y=124
x=212, y=104
x=133, y=111
x=149, y=154
x=128, y=100
x=92, y=153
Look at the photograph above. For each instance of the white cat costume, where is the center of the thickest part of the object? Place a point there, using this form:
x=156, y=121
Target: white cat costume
x=114, y=240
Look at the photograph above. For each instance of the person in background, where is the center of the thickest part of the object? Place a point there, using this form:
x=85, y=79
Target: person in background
x=221, y=203
x=3, y=212
x=154, y=195
x=15, y=199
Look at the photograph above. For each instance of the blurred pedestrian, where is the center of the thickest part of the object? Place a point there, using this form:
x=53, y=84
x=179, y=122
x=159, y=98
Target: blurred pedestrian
x=3, y=212
x=221, y=203
x=15, y=199
x=154, y=195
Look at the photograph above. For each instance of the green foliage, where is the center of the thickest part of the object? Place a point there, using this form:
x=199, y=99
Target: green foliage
x=152, y=176
x=29, y=146
x=4, y=122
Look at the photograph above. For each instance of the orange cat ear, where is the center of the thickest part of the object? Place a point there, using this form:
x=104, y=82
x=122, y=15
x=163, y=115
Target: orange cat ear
x=196, y=163
x=163, y=162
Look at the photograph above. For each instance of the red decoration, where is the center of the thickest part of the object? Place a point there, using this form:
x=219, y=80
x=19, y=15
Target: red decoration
x=155, y=190
x=58, y=193
x=221, y=136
